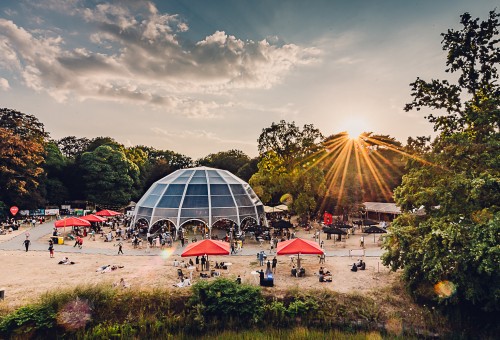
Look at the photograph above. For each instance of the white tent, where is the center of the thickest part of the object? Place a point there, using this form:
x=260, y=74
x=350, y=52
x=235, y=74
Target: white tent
x=278, y=208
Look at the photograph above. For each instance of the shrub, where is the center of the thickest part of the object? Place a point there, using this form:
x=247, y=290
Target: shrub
x=225, y=300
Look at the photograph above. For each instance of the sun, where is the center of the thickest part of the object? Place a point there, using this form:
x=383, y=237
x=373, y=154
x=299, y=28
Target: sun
x=354, y=129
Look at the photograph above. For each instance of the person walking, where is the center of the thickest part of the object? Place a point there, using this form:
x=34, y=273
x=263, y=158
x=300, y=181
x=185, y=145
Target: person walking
x=322, y=258
x=27, y=243
x=275, y=262
x=120, y=248
x=197, y=262
x=51, y=249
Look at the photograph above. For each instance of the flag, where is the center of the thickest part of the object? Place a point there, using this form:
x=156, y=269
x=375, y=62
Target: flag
x=327, y=218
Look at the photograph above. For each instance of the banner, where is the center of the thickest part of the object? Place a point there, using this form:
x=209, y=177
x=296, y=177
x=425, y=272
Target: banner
x=327, y=218
x=51, y=212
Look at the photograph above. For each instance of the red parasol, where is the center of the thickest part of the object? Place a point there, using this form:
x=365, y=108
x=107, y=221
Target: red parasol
x=107, y=212
x=71, y=222
x=93, y=218
x=298, y=246
x=206, y=247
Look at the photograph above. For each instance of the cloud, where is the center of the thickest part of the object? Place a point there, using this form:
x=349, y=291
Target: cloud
x=202, y=135
x=143, y=59
x=4, y=84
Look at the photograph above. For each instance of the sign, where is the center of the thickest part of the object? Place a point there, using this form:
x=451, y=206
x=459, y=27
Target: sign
x=14, y=210
x=51, y=212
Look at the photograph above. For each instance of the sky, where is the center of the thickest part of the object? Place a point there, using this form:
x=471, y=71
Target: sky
x=199, y=77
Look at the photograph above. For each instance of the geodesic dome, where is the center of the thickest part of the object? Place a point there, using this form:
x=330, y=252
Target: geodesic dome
x=199, y=194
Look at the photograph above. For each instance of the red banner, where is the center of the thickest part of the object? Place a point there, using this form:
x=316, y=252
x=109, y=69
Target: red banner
x=327, y=218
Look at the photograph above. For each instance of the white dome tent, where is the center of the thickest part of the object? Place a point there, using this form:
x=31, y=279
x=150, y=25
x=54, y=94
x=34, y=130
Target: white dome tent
x=199, y=194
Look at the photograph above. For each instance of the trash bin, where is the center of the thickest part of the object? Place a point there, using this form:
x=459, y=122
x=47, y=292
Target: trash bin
x=60, y=240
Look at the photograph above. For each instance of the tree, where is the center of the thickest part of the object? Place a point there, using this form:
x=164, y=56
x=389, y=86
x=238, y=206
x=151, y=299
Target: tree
x=22, y=139
x=283, y=147
x=109, y=176
x=55, y=191
x=289, y=142
x=231, y=160
x=458, y=179
x=72, y=147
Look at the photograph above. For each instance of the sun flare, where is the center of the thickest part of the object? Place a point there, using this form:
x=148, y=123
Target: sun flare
x=354, y=129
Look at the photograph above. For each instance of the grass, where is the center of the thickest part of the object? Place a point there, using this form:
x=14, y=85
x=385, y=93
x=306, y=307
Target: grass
x=100, y=311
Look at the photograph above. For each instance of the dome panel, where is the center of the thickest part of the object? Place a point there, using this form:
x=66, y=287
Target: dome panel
x=195, y=202
x=175, y=189
x=219, y=189
x=169, y=202
x=197, y=189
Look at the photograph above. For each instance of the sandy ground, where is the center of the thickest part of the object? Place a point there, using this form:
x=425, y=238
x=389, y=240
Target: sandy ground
x=27, y=275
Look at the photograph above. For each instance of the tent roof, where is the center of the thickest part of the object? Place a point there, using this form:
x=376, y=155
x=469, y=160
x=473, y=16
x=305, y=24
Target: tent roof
x=71, y=222
x=298, y=246
x=206, y=247
x=388, y=208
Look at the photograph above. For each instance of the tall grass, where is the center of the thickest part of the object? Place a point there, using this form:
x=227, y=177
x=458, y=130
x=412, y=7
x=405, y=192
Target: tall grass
x=221, y=308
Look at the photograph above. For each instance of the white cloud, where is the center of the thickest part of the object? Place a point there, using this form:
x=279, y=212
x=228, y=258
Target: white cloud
x=143, y=60
x=4, y=84
x=196, y=134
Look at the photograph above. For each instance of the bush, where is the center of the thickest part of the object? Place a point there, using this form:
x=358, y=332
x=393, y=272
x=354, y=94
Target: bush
x=225, y=300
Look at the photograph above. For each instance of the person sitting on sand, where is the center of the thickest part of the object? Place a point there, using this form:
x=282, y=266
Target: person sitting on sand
x=354, y=268
x=66, y=260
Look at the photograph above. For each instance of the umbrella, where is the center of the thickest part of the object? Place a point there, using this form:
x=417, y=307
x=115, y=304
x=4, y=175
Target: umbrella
x=206, y=247
x=282, y=224
x=298, y=246
x=334, y=230
x=365, y=222
x=375, y=230
x=71, y=222
x=107, y=212
x=340, y=225
x=93, y=218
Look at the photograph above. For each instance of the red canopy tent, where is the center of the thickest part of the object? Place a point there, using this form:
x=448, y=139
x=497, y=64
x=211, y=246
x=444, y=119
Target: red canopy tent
x=71, y=222
x=298, y=246
x=93, y=218
x=107, y=212
x=206, y=247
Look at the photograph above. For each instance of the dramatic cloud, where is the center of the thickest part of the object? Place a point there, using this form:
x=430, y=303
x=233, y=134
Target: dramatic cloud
x=142, y=59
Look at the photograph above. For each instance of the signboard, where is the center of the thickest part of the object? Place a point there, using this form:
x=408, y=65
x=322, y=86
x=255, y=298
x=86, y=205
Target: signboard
x=66, y=207
x=14, y=210
x=51, y=212
x=25, y=212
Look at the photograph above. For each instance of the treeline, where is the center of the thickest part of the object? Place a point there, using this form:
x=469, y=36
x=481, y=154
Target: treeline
x=36, y=170
x=295, y=166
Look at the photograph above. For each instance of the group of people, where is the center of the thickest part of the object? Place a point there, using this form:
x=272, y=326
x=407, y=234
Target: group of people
x=360, y=265
x=324, y=275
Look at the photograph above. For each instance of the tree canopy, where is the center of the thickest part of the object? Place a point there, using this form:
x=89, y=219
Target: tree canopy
x=457, y=178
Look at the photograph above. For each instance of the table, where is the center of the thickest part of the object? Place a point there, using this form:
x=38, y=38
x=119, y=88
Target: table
x=191, y=268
